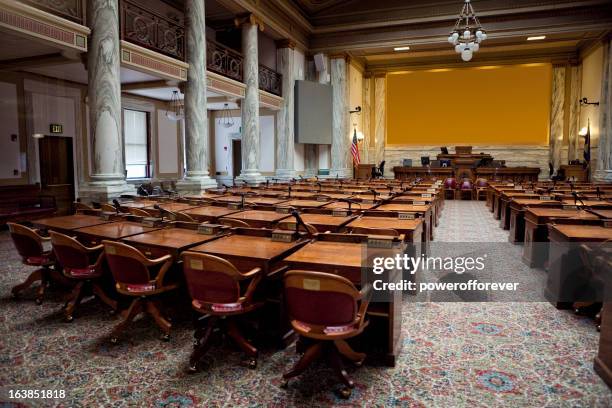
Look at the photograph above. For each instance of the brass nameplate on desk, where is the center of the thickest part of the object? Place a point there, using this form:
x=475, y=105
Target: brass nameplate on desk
x=106, y=215
x=283, y=236
x=570, y=207
x=380, y=242
x=426, y=195
x=209, y=229
x=510, y=185
x=340, y=213
x=405, y=216
x=431, y=190
x=202, y=203
x=367, y=201
x=151, y=222
x=546, y=198
x=322, y=199
x=234, y=206
x=283, y=210
x=529, y=192
x=418, y=203
x=518, y=187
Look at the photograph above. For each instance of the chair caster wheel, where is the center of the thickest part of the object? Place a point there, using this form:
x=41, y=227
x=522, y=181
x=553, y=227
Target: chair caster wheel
x=358, y=363
x=284, y=384
x=165, y=337
x=192, y=369
x=577, y=311
x=345, y=393
x=114, y=340
x=68, y=318
x=599, y=327
x=196, y=342
x=15, y=295
x=112, y=312
x=38, y=301
x=250, y=363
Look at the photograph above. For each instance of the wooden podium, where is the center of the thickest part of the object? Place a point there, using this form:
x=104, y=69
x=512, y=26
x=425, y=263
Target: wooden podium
x=364, y=171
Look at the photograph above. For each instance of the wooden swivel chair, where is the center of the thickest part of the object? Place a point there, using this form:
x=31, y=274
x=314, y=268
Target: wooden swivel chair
x=108, y=208
x=215, y=288
x=232, y=223
x=80, y=206
x=290, y=226
x=450, y=187
x=139, y=212
x=133, y=276
x=480, y=187
x=326, y=309
x=29, y=245
x=76, y=261
x=466, y=187
x=179, y=216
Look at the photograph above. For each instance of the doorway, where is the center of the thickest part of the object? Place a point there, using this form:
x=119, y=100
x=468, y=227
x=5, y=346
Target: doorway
x=57, y=170
x=236, y=157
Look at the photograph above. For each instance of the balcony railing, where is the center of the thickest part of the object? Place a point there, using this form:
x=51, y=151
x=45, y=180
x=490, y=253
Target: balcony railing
x=270, y=80
x=72, y=10
x=224, y=61
x=158, y=27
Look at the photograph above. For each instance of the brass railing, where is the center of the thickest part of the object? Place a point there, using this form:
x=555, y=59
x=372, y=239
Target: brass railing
x=160, y=29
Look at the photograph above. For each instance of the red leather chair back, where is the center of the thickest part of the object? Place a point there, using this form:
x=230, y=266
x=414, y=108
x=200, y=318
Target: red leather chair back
x=450, y=183
x=26, y=241
x=466, y=185
x=320, y=298
x=69, y=252
x=481, y=182
x=211, y=279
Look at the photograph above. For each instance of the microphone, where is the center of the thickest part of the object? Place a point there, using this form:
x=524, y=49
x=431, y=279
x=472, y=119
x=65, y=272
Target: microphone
x=289, y=190
x=374, y=193
x=598, y=193
x=162, y=211
x=299, y=221
x=319, y=185
x=117, y=206
x=301, y=178
x=348, y=201
x=576, y=199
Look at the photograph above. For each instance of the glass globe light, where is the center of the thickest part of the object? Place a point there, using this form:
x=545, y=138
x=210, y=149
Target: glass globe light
x=484, y=36
x=466, y=54
x=455, y=35
x=466, y=34
x=451, y=39
x=475, y=47
x=458, y=48
x=479, y=33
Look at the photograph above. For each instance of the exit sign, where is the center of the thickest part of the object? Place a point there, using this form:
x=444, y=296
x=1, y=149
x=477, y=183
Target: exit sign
x=56, y=128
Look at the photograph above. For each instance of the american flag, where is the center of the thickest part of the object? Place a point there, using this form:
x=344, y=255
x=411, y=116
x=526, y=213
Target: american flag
x=355, y=149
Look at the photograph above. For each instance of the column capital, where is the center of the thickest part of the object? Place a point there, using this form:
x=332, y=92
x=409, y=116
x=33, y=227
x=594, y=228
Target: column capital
x=341, y=55
x=285, y=43
x=249, y=18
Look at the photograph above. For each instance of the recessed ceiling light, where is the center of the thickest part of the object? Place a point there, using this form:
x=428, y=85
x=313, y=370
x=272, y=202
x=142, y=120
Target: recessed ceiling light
x=405, y=48
x=535, y=38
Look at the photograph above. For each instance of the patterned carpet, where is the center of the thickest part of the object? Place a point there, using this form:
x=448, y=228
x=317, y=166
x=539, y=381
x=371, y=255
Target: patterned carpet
x=454, y=354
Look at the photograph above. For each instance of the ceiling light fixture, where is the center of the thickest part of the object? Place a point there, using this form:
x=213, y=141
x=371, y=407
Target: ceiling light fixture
x=404, y=48
x=225, y=118
x=468, y=33
x=536, y=38
x=177, y=110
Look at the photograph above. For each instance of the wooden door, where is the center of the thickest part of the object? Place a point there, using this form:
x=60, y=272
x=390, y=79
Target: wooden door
x=57, y=170
x=236, y=157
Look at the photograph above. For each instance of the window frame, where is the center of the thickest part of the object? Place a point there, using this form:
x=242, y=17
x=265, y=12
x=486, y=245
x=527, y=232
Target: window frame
x=148, y=165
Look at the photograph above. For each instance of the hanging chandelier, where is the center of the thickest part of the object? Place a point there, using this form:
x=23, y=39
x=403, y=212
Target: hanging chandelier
x=468, y=33
x=226, y=119
x=177, y=110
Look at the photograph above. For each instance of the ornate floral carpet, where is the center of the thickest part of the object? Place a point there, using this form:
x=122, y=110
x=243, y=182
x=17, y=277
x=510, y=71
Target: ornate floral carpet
x=454, y=354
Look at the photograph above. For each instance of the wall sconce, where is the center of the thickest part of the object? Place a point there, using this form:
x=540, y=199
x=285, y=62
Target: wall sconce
x=360, y=136
x=583, y=131
x=585, y=101
x=357, y=110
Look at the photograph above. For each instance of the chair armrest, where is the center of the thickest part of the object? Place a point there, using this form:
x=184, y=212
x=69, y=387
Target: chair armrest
x=402, y=237
x=94, y=248
x=168, y=261
x=365, y=294
x=157, y=261
x=251, y=273
x=257, y=276
x=278, y=271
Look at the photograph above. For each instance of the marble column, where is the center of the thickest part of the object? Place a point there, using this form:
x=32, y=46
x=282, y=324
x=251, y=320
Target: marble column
x=367, y=117
x=250, y=105
x=557, y=115
x=104, y=97
x=196, y=121
x=380, y=117
x=574, y=151
x=604, y=163
x=285, y=131
x=341, y=141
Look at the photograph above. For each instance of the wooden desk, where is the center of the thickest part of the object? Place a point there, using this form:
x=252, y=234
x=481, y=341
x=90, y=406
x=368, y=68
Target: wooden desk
x=112, y=231
x=576, y=172
x=258, y=218
x=425, y=210
x=174, y=207
x=326, y=222
x=303, y=203
x=126, y=205
x=408, y=173
x=203, y=196
x=364, y=171
x=210, y=213
x=246, y=252
x=505, y=212
x=565, y=263
x=354, y=207
x=323, y=256
x=167, y=241
x=517, y=215
x=412, y=229
x=606, y=214
x=537, y=219
x=600, y=204
x=67, y=223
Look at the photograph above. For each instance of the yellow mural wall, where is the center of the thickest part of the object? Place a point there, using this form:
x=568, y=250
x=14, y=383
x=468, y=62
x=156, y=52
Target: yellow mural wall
x=488, y=105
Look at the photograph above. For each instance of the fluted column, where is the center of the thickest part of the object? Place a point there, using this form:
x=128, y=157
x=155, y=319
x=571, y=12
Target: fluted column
x=250, y=105
x=604, y=163
x=574, y=151
x=557, y=115
x=367, y=118
x=341, y=141
x=104, y=97
x=196, y=120
x=380, y=117
x=285, y=131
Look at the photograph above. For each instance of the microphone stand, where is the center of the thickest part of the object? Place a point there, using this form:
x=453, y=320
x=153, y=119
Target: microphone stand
x=117, y=206
x=299, y=222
